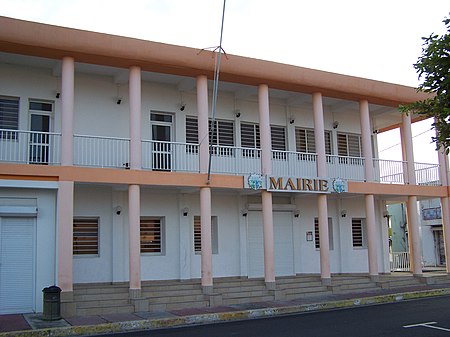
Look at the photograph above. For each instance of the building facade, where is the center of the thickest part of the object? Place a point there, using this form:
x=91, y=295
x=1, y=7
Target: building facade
x=112, y=168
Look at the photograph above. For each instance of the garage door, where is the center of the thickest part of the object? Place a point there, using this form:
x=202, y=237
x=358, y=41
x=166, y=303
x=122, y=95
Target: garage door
x=16, y=265
x=283, y=241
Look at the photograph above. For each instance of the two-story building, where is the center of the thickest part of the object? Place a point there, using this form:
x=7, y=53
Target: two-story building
x=114, y=170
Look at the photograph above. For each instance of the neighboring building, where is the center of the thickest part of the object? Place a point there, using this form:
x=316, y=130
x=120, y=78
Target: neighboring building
x=104, y=160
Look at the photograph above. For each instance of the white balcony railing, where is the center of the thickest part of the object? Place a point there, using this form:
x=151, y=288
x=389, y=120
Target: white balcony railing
x=351, y=168
x=169, y=156
x=101, y=151
x=17, y=146
x=399, y=261
x=30, y=147
x=390, y=171
x=427, y=174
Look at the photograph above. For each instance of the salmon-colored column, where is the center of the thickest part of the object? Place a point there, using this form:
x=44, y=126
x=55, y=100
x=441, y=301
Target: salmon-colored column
x=135, y=117
x=445, y=210
x=372, y=238
x=134, y=220
x=366, y=139
x=415, y=249
x=322, y=206
x=266, y=166
x=206, y=257
x=65, y=235
x=67, y=108
x=203, y=126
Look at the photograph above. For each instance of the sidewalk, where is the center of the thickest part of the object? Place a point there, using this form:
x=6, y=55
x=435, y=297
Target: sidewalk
x=32, y=325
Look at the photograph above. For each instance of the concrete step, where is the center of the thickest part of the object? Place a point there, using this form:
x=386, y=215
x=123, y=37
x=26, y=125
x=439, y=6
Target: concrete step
x=105, y=310
x=243, y=300
x=94, y=303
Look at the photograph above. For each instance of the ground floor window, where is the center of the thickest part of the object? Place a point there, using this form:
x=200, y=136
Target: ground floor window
x=330, y=233
x=152, y=235
x=198, y=235
x=85, y=235
x=359, y=233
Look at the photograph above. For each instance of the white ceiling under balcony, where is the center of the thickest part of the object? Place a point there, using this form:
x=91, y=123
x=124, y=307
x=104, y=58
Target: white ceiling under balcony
x=382, y=116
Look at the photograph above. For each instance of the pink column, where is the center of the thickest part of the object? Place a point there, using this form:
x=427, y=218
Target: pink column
x=366, y=137
x=372, y=236
x=443, y=168
x=206, y=258
x=67, y=107
x=134, y=220
x=65, y=235
x=415, y=250
x=322, y=207
x=266, y=166
x=135, y=117
x=203, y=132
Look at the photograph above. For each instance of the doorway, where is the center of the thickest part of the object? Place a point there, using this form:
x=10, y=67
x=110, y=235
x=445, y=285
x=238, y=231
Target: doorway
x=162, y=132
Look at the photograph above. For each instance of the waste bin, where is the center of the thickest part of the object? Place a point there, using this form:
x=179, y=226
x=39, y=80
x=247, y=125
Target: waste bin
x=52, y=303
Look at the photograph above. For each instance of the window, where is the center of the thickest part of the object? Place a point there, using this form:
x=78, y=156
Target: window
x=198, y=235
x=359, y=233
x=250, y=136
x=316, y=233
x=223, y=133
x=349, y=145
x=306, y=143
x=278, y=137
x=85, y=236
x=152, y=235
x=9, y=116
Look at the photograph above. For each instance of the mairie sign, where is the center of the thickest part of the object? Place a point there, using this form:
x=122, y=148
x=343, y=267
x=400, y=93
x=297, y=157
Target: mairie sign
x=295, y=184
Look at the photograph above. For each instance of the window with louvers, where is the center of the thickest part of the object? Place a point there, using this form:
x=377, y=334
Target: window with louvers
x=151, y=235
x=198, y=235
x=349, y=145
x=9, y=116
x=250, y=137
x=316, y=233
x=306, y=143
x=222, y=135
x=278, y=137
x=358, y=237
x=85, y=236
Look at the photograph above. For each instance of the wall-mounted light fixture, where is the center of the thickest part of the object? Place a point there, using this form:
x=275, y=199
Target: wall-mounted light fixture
x=291, y=120
x=182, y=106
x=237, y=113
x=309, y=236
x=244, y=212
x=118, y=210
x=343, y=213
x=185, y=211
x=296, y=213
x=58, y=94
x=119, y=100
x=335, y=124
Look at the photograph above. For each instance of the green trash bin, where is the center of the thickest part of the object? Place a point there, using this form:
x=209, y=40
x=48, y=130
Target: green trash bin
x=52, y=303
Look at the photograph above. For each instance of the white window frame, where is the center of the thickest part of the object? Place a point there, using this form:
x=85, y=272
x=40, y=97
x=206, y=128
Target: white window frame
x=196, y=230
x=317, y=236
x=162, y=235
x=86, y=220
x=359, y=233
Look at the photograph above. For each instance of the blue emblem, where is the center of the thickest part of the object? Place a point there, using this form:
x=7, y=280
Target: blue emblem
x=255, y=181
x=339, y=185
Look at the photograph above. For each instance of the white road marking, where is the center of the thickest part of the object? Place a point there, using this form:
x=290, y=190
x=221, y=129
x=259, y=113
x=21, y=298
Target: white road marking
x=426, y=325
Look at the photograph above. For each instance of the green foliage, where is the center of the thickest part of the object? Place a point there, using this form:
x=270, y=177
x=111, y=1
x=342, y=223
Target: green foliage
x=433, y=68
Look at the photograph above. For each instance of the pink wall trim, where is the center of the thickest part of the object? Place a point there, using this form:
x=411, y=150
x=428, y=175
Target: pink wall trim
x=67, y=108
x=205, y=218
x=135, y=117
x=134, y=219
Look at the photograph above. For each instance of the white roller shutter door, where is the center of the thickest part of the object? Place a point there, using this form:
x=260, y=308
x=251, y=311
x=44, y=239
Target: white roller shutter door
x=17, y=253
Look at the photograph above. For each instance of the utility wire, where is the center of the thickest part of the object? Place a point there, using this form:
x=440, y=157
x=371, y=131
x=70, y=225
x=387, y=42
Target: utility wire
x=392, y=146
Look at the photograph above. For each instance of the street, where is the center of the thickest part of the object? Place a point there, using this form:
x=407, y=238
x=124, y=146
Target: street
x=424, y=318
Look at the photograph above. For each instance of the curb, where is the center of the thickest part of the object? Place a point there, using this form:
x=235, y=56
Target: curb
x=222, y=316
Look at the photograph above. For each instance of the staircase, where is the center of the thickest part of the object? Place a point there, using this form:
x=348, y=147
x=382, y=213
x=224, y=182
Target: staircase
x=346, y=284
x=296, y=287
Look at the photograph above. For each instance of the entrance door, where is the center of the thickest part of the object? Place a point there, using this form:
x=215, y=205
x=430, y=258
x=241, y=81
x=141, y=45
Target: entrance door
x=161, y=124
x=17, y=255
x=283, y=244
x=40, y=119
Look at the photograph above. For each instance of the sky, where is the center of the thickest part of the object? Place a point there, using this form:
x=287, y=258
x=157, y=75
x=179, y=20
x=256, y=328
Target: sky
x=379, y=40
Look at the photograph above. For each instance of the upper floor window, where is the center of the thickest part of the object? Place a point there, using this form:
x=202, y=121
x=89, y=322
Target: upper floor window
x=223, y=132
x=278, y=137
x=9, y=116
x=306, y=143
x=349, y=145
x=152, y=235
x=251, y=138
x=85, y=236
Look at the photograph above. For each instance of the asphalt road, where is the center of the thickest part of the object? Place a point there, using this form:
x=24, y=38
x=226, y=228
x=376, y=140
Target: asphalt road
x=424, y=318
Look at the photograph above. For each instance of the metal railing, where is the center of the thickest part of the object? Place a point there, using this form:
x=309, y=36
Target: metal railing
x=30, y=147
x=169, y=156
x=18, y=146
x=390, y=171
x=99, y=151
x=399, y=261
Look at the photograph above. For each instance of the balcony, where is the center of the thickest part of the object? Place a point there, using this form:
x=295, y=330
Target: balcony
x=26, y=147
